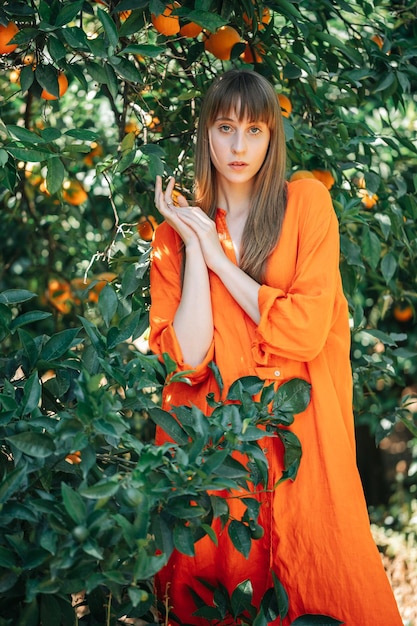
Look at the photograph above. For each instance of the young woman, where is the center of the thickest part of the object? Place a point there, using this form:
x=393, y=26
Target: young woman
x=248, y=276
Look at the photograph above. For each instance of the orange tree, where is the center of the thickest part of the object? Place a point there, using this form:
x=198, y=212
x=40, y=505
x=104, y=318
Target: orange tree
x=123, y=81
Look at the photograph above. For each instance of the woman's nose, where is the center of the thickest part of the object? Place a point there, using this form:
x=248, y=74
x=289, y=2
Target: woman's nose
x=238, y=144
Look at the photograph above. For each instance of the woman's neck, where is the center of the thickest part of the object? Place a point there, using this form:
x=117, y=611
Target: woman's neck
x=234, y=199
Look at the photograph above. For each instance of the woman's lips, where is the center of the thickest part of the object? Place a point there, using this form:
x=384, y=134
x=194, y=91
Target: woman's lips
x=238, y=165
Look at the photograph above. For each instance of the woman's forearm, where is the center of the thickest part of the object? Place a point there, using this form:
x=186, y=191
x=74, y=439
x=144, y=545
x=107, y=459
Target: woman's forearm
x=193, y=321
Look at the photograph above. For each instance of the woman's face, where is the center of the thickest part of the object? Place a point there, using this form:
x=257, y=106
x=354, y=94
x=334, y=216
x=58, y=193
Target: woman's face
x=238, y=148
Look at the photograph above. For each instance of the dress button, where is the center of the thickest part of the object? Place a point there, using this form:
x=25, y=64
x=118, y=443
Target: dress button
x=277, y=373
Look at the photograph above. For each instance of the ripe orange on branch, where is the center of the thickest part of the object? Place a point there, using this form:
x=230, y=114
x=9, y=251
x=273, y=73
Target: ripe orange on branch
x=165, y=23
x=190, y=30
x=62, y=87
x=325, y=177
x=403, y=311
x=6, y=34
x=253, y=53
x=59, y=295
x=146, y=227
x=285, y=104
x=222, y=41
x=74, y=193
x=261, y=23
x=301, y=174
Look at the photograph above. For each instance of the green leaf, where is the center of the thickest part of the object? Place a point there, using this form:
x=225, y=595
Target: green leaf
x=281, y=596
x=292, y=397
x=33, y=444
x=47, y=77
x=109, y=27
x=169, y=424
x=29, y=346
x=55, y=175
x=241, y=598
x=50, y=611
x=68, y=12
x=292, y=454
x=82, y=133
x=59, y=344
x=29, y=154
x=102, y=489
x=56, y=48
x=4, y=157
x=184, y=540
x=386, y=339
x=13, y=481
x=315, y=620
x=209, y=20
x=389, y=266
x=251, y=385
x=240, y=536
x=125, y=5
x=31, y=394
x=76, y=38
x=371, y=248
x=24, y=135
x=7, y=557
x=145, y=50
x=107, y=303
x=162, y=530
x=73, y=503
x=16, y=296
x=126, y=69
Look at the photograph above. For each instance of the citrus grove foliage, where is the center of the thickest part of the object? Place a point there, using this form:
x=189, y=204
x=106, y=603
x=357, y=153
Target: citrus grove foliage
x=96, y=98
x=87, y=502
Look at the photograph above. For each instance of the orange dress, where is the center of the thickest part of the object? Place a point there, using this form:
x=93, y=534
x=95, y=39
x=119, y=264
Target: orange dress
x=317, y=537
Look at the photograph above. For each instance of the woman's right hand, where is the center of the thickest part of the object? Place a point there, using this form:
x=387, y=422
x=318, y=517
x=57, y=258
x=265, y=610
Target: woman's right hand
x=165, y=205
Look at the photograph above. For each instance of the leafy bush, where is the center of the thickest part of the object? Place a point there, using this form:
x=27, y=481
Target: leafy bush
x=87, y=500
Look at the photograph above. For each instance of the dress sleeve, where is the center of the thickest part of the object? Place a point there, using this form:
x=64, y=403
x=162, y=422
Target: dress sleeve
x=295, y=323
x=165, y=280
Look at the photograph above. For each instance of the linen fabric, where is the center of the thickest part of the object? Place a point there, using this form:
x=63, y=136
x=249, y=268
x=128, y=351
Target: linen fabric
x=317, y=534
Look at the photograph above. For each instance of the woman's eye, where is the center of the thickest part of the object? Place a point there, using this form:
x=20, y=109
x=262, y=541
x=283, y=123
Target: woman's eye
x=225, y=128
x=254, y=130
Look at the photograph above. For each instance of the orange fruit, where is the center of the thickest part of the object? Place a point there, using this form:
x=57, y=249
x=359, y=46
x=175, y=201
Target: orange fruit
x=78, y=284
x=253, y=53
x=132, y=127
x=15, y=76
x=6, y=34
x=74, y=193
x=43, y=188
x=222, y=41
x=403, y=311
x=190, y=30
x=301, y=174
x=155, y=124
x=62, y=86
x=103, y=279
x=325, y=177
x=59, y=295
x=28, y=58
x=285, y=104
x=165, y=23
x=378, y=40
x=124, y=15
x=96, y=151
x=261, y=23
x=368, y=199
x=146, y=227
x=74, y=458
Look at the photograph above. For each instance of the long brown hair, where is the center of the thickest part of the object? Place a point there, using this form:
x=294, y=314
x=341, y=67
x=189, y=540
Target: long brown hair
x=249, y=95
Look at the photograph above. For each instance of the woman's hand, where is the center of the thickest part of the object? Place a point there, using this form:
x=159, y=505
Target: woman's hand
x=165, y=205
x=190, y=222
